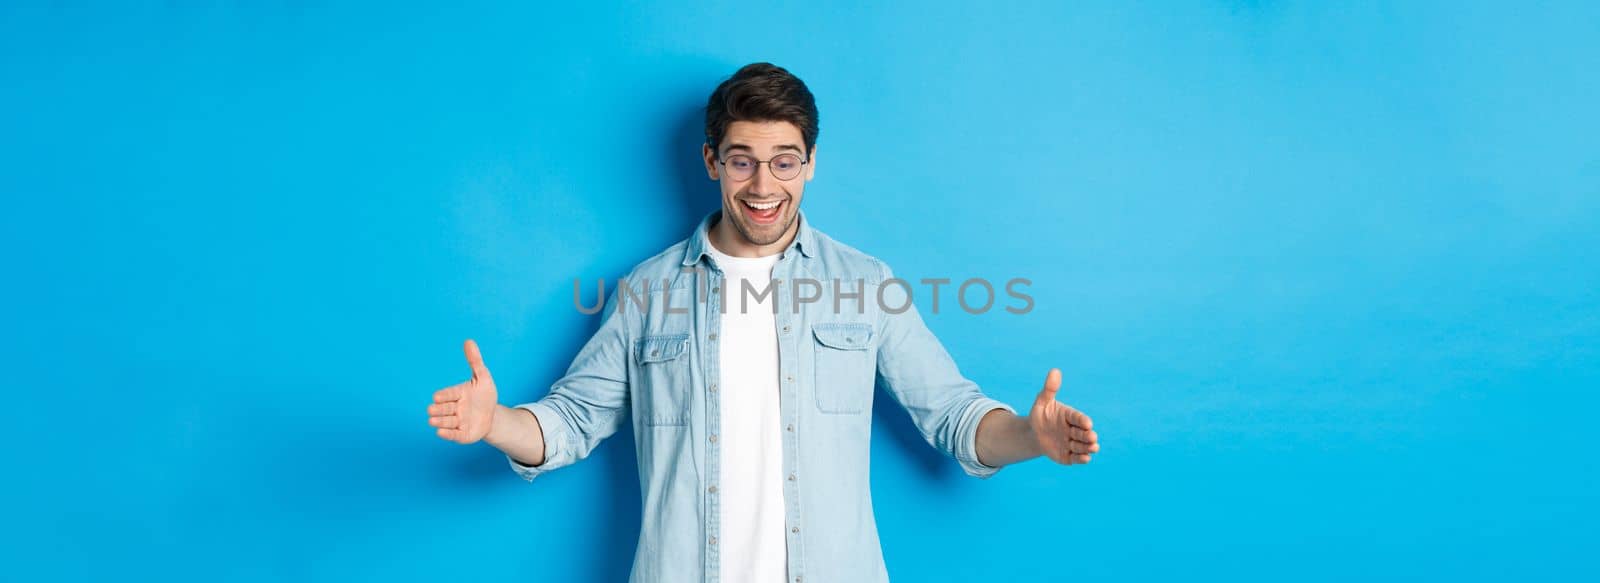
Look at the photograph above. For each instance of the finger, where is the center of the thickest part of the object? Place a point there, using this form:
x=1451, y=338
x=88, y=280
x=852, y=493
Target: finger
x=1080, y=434
x=1077, y=418
x=1080, y=447
x=1052, y=383
x=445, y=421
x=1080, y=459
x=447, y=408
x=1076, y=447
x=475, y=359
x=447, y=394
x=450, y=434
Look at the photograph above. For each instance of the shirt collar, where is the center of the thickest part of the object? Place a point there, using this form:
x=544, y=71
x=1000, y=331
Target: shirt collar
x=804, y=238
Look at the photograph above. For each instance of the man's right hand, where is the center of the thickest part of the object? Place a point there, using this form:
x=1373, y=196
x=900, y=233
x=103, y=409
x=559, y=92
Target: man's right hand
x=464, y=412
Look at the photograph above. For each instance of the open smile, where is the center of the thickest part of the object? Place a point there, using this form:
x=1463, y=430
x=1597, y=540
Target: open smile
x=763, y=212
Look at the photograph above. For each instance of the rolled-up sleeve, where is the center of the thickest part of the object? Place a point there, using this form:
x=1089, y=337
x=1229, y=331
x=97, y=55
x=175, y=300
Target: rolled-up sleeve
x=945, y=406
x=557, y=442
x=589, y=403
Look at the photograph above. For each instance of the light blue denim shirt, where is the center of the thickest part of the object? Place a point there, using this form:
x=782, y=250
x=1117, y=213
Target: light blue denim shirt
x=840, y=328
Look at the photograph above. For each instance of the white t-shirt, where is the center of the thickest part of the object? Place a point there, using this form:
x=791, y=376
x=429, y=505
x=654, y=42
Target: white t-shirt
x=751, y=488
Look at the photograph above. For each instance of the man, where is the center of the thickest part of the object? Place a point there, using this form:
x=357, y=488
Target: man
x=750, y=394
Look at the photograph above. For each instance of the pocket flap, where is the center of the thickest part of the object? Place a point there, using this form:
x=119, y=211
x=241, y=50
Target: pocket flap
x=843, y=335
x=661, y=348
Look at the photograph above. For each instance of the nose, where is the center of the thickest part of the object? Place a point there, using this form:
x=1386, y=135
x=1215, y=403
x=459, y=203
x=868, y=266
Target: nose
x=763, y=183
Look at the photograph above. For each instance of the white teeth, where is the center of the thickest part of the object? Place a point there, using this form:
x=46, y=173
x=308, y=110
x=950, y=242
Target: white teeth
x=763, y=206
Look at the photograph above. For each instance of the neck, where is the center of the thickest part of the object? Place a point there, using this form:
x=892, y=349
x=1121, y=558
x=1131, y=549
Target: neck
x=727, y=239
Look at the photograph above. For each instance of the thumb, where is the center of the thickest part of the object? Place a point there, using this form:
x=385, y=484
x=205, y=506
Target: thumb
x=475, y=359
x=1052, y=383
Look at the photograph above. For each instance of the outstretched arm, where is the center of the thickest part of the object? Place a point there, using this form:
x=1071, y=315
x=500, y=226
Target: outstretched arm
x=1051, y=429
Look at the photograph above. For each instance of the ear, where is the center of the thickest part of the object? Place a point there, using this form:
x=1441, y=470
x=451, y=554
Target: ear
x=811, y=164
x=710, y=157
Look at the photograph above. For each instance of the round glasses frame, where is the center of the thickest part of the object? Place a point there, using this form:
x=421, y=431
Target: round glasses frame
x=770, y=167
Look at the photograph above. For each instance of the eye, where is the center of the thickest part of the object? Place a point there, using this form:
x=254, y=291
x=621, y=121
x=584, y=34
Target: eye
x=740, y=162
x=786, y=162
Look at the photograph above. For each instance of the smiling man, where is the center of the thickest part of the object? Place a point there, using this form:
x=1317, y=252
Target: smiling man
x=751, y=400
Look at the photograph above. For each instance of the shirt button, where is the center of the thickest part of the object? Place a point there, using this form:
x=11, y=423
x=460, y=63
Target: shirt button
x=713, y=387
x=791, y=477
x=714, y=289
x=794, y=529
x=713, y=438
x=713, y=540
x=655, y=353
x=712, y=489
x=713, y=336
x=790, y=378
x=786, y=329
x=791, y=427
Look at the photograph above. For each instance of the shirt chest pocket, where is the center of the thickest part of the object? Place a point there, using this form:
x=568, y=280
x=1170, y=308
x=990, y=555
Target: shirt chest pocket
x=844, y=367
x=663, y=396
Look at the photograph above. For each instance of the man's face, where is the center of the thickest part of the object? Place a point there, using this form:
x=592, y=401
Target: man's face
x=748, y=202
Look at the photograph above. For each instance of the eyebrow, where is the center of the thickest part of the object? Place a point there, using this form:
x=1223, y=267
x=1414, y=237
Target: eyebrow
x=737, y=146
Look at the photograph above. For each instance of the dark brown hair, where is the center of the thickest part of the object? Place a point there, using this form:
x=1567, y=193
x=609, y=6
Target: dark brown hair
x=761, y=92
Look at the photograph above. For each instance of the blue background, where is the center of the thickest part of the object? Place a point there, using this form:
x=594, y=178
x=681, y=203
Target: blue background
x=1325, y=276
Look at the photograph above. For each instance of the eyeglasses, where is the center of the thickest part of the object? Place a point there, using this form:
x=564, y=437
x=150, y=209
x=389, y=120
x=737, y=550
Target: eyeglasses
x=783, y=166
